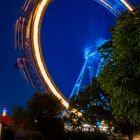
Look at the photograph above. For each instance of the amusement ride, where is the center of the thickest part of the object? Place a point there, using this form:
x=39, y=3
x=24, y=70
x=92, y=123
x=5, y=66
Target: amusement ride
x=27, y=39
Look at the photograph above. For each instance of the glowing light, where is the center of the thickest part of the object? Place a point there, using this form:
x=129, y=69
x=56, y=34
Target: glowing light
x=36, y=45
x=103, y=126
x=4, y=112
x=86, y=125
x=87, y=52
x=79, y=114
x=106, y=4
x=38, y=54
x=127, y=5
x=100, y=42
x=37, y=18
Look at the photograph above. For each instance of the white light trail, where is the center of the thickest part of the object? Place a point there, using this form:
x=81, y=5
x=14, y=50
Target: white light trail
x=106, y=4
x=127, y=5
x=36, y=46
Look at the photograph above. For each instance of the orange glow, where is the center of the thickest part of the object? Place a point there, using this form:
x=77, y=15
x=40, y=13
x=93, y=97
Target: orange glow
x=36, y=46
x=38, y=55
x=4, y=112
x=127, y=5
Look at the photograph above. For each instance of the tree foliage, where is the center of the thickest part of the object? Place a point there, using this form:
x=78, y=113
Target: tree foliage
x=93, y=103
x=120, y=72
x=19, y=116
x=43, y=105
x=41, y=114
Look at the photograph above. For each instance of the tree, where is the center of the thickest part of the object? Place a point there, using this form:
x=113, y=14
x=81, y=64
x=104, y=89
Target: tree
x=125, y=128
x=42, y=111
x=41, y=105
x=19, y=116
x=94, y=105
x=120, y=72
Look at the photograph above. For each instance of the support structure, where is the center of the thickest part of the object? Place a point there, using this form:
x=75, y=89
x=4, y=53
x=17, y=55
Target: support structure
x=89, y=70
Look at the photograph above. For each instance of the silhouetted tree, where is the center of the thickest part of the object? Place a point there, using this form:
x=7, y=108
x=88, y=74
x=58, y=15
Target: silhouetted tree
x=43, y=112
x=120, y=72
x=94, y=105
x=19, y=116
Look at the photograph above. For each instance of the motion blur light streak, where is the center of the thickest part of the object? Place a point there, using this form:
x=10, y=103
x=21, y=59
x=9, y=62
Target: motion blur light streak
x=36, y=24
x=127, y=5
x=29, y=36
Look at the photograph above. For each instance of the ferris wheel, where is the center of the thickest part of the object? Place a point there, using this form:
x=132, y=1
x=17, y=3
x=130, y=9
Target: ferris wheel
x=27, y=39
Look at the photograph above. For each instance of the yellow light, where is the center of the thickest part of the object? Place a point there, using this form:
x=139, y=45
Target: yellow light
x=38, y=55
x=37, y=49
x=79, y=114
x=4, y=112
x=36, y=46
x=127, y=5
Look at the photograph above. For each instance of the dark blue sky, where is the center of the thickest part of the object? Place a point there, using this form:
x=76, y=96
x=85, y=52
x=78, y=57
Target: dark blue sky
x=68, y=28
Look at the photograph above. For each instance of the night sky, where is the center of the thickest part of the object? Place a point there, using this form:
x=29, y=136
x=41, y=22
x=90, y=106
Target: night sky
x=68, y=28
